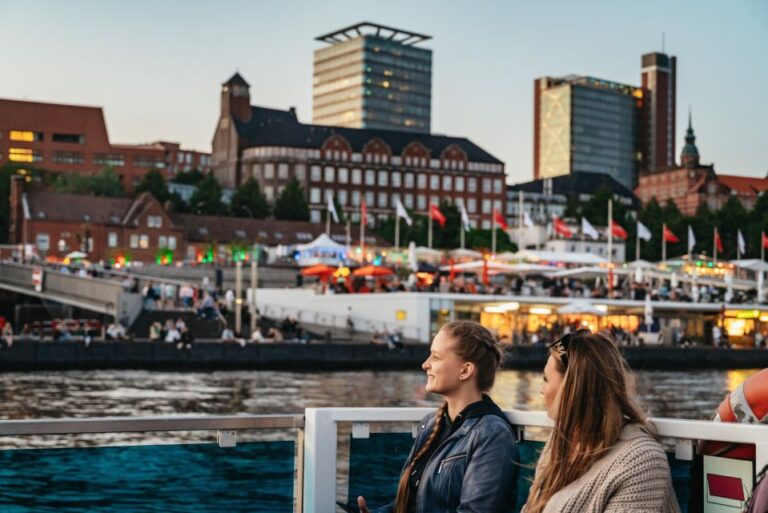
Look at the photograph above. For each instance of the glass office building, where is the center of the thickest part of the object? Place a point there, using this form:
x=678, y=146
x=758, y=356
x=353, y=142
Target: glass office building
x=372, y=76
x=587, y=124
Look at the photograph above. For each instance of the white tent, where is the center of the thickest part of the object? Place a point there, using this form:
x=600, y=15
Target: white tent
x=323, y=242
x=76, y=255
x=580, y=307
x=466, y=253
x=753, y=264
x=564, y=257
x=322, y=250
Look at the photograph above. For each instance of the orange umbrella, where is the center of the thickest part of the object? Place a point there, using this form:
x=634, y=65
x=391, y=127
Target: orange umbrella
x=452, y=274
x=373, y=270
x=318, y=270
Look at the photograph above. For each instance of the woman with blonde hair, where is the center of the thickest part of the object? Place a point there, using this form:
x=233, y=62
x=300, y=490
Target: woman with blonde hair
x=602, y=455
x=463, y=456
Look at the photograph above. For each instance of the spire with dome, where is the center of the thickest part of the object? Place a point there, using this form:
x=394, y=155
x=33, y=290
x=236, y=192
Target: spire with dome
x=689, y=157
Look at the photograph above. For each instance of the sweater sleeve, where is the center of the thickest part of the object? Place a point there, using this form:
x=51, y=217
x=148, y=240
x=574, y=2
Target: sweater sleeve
x=642, y=482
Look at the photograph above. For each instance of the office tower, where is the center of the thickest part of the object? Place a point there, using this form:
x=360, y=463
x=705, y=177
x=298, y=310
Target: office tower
x=658, y=124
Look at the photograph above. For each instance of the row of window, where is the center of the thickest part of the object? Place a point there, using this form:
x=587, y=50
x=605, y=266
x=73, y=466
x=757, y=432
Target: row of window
x=386, y=200
x=32, y=136
x=72, y=157
x=136, y=241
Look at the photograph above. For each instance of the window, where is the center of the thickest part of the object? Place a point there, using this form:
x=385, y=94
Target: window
x=395, y=198
x=282, y=171
x=315, y=173
x=171, y=242
x=314, y=195
x=408, y=200
x=341, y=196
x=256, y=171
x=144, y=241
x=42, y=241
x=112, y=239
x=24, y=155
x=134, y=241
x=370, y=177
x=357, y=176
x=396, y=182
x=498, y=186
x=269, y=171
x=447, y=183
x=459, y=183
x=154, y=222
x=434, y=182
x=109, y=159
x=68, y=138
x=66, y=157
x=370, y=199
x=314, y=216
x=434, y=200
x=63, y=246
x=162, y=241
x=355, y=198
x=330, y=174
x=486, y=206
x=382, y=199
x=343, y=175
x=486, y=185
x=269, y=192
x=22, y=135
x=472, y=205
x=472, y=185
x=300, y=172
x=421, y=202
x=383, y=179
x=409, y=180
x=422, y=182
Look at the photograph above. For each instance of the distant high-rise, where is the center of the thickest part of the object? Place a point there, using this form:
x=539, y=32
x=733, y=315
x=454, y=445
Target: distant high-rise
x=659, y=87
x=372, y=76
x=586, y=124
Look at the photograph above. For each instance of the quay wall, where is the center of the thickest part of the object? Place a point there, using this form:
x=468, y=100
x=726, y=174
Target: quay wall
x=34, y=355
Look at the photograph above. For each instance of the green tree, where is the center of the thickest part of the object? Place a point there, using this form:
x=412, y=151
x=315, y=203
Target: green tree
x=154, y=183
x=249, y=201
x=104, y=183
x=731, y=217
x=291, y=205
x=207, y=198
x=191, y=177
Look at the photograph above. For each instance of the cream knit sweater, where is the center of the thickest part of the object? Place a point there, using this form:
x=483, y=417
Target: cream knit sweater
x=633, y=477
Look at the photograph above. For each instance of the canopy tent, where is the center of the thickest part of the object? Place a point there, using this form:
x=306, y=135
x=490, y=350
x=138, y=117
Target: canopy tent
x=322, y=250
x=318, y=270
x=323, y=242
x=642, y=264
x=496, y=267
x=580, y=308
x=76, y=255
x=556, y=257
x=465, y=253
x=753, y=264
x=584, y=273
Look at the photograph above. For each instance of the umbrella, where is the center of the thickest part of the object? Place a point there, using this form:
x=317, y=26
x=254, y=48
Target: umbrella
x=372, y=270
x=318, y=270
x=76, y=255
x=580, y=307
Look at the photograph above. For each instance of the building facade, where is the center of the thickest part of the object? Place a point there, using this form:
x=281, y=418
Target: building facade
x=378, y=167
x=588, y=124
x=73, y=139
x=373, y=76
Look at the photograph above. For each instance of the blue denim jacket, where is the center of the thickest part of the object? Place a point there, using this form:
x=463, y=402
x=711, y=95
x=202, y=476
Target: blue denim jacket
x=473, y=470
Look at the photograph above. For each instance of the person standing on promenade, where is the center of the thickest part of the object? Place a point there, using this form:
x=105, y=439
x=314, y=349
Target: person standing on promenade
x=463, y=457
x=602, y=455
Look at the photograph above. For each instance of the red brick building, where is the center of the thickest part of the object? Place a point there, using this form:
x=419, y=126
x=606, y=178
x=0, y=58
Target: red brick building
x=352, y=165
x=694, y=184
x=74, y=139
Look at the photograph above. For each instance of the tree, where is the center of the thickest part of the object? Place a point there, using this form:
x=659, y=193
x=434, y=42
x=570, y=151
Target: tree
x=191, y=177
x=249, y=201
x=291, y=205
x=207, y=198
x=731, y=217
x=154, y=183
x=104, y=183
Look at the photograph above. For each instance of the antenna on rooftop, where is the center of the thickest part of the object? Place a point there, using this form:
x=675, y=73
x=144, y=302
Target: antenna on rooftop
x=662, y=42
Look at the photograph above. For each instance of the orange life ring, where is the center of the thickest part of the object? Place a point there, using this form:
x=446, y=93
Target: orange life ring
x=747, y=404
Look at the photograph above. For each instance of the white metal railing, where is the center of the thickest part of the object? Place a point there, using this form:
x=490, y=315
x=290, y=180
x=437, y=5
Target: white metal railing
x=321, y=432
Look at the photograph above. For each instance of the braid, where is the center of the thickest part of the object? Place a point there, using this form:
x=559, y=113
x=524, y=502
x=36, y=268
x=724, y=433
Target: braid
x=403, y=489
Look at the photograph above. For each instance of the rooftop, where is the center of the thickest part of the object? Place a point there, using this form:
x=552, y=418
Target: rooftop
x=366, y=28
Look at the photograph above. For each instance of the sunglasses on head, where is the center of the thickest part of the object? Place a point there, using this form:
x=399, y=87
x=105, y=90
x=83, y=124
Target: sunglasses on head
x=561, y=345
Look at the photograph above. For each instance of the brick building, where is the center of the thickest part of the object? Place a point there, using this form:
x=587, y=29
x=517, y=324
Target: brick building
x=375, y=165
x=141, y=229
x=74, y=139
x=693, y=184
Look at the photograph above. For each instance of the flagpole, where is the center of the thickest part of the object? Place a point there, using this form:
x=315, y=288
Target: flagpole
x=520, y=202
x=397, y=232
x=664, y=242
x=327, y=221
x=738, y=245
x=637, y=248
x=362, y=237
x=689, y=244
x=610, y=233
x=461, y=235
x=493, y=233
x=714, y=244
x=349, y=235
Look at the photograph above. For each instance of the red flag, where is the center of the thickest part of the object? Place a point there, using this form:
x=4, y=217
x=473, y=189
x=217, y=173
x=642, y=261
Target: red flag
x=561, y=228
x=669, y=236
x=363, y=213
x=452, y=274
x=434, y=213
x=765, y=240
x=499, y=220
x=618, y=231
x=718, y=241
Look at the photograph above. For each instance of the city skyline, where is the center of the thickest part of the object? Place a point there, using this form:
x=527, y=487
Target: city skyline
x=158, y=76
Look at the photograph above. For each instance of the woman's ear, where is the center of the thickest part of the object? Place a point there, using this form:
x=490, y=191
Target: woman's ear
x=467, y=371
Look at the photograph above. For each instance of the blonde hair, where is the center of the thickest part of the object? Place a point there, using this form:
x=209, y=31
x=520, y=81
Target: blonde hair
x=472, y=343
x=593, y=405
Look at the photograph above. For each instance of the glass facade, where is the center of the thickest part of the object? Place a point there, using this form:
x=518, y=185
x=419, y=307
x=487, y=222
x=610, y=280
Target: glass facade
x=373, y=82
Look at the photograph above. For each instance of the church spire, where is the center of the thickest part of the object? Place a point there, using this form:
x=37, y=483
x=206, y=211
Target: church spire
x=689, y=157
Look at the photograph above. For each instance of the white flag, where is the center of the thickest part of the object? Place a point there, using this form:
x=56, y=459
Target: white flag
x=527, y=221
x=691, y=239
x=465, y=218
x=332, y=209
x=643, y=232
x=401, y=212
x=588, y=229
x=742, y=244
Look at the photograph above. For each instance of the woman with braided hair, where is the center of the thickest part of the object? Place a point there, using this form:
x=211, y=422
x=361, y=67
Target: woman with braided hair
x=602, y=455
x=463, y=457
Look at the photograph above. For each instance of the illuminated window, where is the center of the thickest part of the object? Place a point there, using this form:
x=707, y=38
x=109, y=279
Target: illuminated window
x=24, y=155
x=144, y=241
x=112, y=239
x=154, y=222
x=22, y=135
x=134, y=241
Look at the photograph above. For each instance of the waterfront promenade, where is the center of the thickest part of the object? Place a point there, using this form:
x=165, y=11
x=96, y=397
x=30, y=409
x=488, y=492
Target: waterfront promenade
x=214, y=355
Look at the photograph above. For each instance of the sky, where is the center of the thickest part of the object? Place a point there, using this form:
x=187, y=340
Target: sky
x=156, y=67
